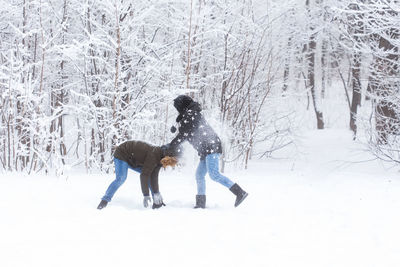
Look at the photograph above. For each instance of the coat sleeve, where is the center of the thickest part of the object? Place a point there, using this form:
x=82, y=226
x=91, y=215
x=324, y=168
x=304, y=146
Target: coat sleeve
x=154, y=179
x=148, y=167
x=185, y=129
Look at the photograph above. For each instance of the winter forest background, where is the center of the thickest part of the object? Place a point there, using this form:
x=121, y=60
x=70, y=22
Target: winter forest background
x=79, y=77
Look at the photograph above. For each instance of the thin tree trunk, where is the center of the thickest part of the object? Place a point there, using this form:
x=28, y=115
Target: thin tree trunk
x=61, y=96
x=43, y=49
x=324, y=55
x=311, y=75
x=9, y=142
x=188, y=66
x=116, y=98
x=311, y=82
x=356, y=100
x=117, y=61
x=287, y=67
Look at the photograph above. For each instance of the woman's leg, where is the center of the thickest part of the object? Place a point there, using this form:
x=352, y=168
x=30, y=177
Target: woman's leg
x=121, y=172
x=200, y=177
x=213, y=170
x=212, y=162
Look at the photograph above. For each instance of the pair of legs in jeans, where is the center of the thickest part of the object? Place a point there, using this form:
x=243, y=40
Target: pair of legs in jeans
x=121, y=172
x=211, y=165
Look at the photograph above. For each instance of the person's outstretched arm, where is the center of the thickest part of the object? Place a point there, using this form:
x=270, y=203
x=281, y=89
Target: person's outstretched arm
x=185, y=129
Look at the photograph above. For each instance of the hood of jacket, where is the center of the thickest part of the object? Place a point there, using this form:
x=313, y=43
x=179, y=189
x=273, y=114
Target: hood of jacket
x=192, y=106
x=182, y=102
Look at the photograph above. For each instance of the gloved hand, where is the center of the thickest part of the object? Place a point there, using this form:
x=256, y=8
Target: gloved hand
x=173, y=129
x=157, y=199
x=146, y=201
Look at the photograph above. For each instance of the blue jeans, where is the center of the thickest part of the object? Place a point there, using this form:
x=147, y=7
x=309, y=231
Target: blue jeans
x=121, y=172
x=211, y=165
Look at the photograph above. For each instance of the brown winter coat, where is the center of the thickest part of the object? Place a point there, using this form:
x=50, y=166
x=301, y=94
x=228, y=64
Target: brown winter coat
x=145, y=156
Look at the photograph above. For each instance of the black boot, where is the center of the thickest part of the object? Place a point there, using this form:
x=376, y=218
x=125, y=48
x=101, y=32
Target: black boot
x=240, y=194
x=157, y=206
x=200, y=201
x=102, y=204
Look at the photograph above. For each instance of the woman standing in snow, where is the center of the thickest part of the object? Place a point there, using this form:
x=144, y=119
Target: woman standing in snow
x=194, y=129
x=145, y=159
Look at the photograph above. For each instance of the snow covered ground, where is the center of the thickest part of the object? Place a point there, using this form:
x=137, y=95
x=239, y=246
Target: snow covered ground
x=318, y=209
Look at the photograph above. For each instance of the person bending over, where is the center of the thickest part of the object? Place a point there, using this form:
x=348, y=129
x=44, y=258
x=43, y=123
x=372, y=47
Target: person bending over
x=145, y=159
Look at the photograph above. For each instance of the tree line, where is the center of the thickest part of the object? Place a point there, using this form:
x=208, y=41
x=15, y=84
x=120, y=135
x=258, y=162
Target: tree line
x=79, y=77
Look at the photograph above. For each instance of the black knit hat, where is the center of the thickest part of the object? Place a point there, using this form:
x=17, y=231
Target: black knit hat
x=182, y=102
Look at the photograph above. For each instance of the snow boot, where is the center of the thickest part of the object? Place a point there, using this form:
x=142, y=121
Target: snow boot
x=157, y=206
x=200, y=201
x=102, y=204
x=239, y=193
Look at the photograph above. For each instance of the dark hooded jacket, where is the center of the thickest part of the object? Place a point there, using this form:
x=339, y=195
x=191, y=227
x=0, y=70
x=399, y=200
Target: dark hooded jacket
x=145, y=156
x=194, y=128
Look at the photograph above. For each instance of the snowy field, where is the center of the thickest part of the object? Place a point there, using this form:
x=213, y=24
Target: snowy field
x=316, y=210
